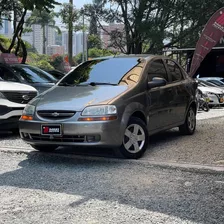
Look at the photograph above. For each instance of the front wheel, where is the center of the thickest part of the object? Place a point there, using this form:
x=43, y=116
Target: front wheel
x=45, y=148
x=135, y=140
x=189, y=126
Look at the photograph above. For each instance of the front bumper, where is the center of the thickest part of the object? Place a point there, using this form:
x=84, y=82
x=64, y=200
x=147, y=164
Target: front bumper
x=76, y=133
x=216, y=100
x=9, y=114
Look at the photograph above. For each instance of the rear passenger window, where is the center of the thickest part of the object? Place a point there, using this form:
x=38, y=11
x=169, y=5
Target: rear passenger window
x=157, y=69
x=174, y=70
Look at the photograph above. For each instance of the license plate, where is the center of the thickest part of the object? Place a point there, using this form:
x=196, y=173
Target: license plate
x=51, y=130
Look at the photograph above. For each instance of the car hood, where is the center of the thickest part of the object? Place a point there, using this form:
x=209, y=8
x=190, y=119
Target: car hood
x=42, y=87
x=15, y=86
x=78, y=97
x=214, y=90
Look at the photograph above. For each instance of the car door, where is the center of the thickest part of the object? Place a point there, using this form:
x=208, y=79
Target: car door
x=179, y=85
x=159, y=97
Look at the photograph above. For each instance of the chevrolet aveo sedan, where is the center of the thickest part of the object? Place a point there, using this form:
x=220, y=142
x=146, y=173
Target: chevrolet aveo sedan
x=114, y=102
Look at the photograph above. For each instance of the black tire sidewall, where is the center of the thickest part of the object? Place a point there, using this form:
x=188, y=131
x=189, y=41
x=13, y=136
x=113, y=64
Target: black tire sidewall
x=127, y=154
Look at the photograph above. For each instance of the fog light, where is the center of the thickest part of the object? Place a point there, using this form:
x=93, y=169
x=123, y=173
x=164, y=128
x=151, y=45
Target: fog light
x=93, y=138
x=90, y=138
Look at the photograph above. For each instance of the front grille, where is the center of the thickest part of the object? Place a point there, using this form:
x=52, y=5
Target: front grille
x=20, y=97
x=55, y=115
x=64, y=138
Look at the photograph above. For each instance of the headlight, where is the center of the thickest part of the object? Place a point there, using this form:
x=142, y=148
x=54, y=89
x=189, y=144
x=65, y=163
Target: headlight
x=28, y=113
x=100, y=110
x=209, y=93
x=29, y=110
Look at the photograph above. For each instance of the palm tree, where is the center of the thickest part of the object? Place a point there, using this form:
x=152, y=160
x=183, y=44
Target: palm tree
x=44, y=19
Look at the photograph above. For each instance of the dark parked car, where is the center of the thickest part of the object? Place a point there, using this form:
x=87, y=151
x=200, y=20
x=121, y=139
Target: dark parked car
x=27, y=74
x=57, y=74
x=116, y=102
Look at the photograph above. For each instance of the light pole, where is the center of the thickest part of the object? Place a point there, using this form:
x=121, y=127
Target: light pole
x=70, y=34
x=83, y=35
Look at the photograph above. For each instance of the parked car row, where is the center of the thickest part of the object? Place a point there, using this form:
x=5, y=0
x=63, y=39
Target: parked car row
x=214, y=93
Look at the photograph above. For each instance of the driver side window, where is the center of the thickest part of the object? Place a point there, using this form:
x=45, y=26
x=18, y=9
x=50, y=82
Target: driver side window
x=7, y=75
x=157, y=69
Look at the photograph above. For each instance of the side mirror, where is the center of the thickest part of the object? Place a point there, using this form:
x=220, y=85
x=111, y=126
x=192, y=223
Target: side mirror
x=156, y=82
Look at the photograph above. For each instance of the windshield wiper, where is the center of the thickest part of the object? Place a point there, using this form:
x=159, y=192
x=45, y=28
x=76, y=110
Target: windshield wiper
x=100, y=83
x=65, y=84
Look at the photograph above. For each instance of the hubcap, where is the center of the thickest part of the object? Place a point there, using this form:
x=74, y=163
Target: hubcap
x=134, y=138
x=191, y=120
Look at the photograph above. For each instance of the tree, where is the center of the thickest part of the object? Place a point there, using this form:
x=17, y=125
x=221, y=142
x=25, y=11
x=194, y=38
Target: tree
x=95, y=53
x=19, y=9
x=150, y=22
x=69, y=15
x=45, y=19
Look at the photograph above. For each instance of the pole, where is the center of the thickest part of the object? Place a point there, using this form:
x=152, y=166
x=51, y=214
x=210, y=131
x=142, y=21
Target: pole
x=83, y=36
x=70, y=34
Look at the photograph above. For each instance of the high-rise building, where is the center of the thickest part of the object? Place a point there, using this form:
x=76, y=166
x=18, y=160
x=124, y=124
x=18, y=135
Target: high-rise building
x=65, y=42
x=55, y=49
x=79, y=42
x=6, y=28
x=35, y=37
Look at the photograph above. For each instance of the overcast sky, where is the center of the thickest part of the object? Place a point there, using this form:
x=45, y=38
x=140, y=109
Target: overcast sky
x=77, y=3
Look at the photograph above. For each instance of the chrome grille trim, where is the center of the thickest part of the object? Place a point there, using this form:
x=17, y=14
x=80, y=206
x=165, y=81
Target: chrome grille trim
x=55, y=114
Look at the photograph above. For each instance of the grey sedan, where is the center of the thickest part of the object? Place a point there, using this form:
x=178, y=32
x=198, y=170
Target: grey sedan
x=115, y=102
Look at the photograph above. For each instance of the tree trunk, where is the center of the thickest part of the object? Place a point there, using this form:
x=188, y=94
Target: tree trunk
x=24, y=52
x=44, y=40
x=18, y=29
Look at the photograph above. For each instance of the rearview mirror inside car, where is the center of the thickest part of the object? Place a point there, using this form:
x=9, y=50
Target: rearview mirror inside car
x=156, y=82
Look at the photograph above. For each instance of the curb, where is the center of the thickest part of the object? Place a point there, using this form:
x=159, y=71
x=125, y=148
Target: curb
x=196, y=168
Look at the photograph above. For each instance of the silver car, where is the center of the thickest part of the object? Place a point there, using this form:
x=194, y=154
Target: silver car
x=115, y=102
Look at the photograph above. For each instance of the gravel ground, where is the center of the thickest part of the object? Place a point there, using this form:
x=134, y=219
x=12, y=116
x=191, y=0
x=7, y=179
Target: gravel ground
x=204, y=147
x=41, y=188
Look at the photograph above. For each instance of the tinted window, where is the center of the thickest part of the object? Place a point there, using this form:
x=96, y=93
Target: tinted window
x=109, y=71
x=174, y=70
x=33, y=75
x=7, y=75
x=157, y=69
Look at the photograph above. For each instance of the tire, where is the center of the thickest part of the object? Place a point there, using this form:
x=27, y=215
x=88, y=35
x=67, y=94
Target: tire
x=206, y=107
x=15, y=131
x=132, y=148
x=189, y=126
x=45, y=148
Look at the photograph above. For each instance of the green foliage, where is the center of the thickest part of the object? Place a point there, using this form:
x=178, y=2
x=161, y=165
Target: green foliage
x=94, y=53
x=68, y=13
x=43, y=65
x=94, y=41
x=56, y=61
x=150, y=22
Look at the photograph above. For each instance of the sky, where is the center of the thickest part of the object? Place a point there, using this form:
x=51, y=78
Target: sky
x=78, y=3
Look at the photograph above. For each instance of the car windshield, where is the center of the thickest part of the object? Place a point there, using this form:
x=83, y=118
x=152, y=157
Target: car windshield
x=108, y=71
x=32, y=74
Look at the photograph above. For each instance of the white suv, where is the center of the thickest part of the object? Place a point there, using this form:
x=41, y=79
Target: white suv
x=13, y=99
